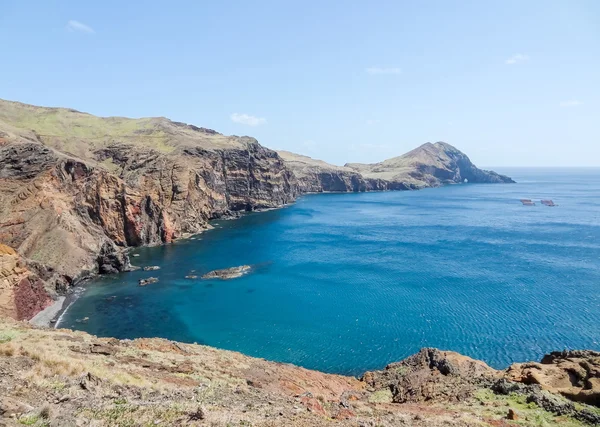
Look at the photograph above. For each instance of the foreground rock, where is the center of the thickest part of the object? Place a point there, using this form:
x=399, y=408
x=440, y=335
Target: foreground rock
x=65, y=378
x=228, y=273
x=432, y=374
x=573, y=374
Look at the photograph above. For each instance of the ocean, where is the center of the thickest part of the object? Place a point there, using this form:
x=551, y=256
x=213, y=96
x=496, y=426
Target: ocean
x=346, y=283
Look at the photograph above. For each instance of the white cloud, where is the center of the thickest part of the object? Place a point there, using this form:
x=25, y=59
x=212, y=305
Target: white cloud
x=571, y=103
x=379, y=70
x=247, y=119
x=78, y=26
x=371, y=122
x=515, y=59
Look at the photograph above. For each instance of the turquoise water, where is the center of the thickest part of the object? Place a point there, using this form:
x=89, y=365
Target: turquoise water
x=349, y=282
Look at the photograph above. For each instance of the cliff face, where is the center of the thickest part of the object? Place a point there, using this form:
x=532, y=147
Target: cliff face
x=76, y=189
x=317, y=176
x=22, y=292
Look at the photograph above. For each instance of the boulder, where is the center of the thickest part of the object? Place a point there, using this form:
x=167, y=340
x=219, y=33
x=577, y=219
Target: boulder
x=432, y=374
x=228, y=273
x=149, y=280
x=573, y=374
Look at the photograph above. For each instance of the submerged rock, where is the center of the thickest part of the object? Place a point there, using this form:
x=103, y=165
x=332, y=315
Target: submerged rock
x=149, y=280
x=152, y=268
x=228, y=273
x=191, y=276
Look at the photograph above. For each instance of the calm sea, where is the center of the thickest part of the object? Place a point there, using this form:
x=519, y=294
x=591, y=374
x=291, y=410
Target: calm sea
x=350, y=282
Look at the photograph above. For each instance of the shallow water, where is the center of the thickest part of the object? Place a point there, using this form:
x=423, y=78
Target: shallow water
x=349, y=282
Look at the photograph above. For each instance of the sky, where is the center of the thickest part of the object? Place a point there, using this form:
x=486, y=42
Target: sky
x=510, y=83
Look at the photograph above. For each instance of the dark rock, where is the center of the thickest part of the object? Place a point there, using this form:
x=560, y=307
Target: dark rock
x=148, y=281
x=102, y=349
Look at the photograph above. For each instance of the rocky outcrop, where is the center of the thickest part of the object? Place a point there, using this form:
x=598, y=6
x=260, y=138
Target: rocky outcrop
x=430, y=165
x=573, y=374
x=72, y=201
x=22, y=293
x=432, y=374
x=228, y=273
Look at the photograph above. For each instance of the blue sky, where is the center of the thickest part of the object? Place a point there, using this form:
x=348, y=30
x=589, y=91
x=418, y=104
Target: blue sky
x=511, y=83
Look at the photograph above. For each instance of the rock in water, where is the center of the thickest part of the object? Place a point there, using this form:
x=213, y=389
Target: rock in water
x=227, y=273
x=149, y=280
x=152, y=268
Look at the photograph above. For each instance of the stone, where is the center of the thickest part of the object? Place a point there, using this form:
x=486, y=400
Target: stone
x=148, y=281
x=432, y=374
x=228, y=273
x=573, y=374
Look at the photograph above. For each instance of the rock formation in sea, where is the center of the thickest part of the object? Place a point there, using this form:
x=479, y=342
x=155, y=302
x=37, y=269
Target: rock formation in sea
x=76, y=190
x=228, y=273
x=58, y=377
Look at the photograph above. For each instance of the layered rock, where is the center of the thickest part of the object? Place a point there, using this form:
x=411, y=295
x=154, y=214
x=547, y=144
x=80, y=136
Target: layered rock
x=317, y=176
x=75, y=190
x=22, y=292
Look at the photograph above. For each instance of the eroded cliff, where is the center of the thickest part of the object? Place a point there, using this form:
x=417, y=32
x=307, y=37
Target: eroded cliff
x=76, y=190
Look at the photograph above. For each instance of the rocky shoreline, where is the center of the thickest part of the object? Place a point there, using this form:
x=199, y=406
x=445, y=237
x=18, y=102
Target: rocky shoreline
x=59, y=377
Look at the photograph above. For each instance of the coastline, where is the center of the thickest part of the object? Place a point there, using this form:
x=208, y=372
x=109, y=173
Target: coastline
x=52, y=315
x=47, y=315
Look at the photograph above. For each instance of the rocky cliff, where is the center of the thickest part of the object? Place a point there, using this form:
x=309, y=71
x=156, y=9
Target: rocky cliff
x=76, y=189
x=63, y=378
x=430, y=165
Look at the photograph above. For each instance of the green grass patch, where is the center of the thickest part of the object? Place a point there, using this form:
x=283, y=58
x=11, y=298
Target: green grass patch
x=496, y=406
x=7, y=336
x=381, y=396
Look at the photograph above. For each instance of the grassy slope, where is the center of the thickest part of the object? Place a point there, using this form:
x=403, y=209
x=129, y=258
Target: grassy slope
x=79, y=133
x=67, y=378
